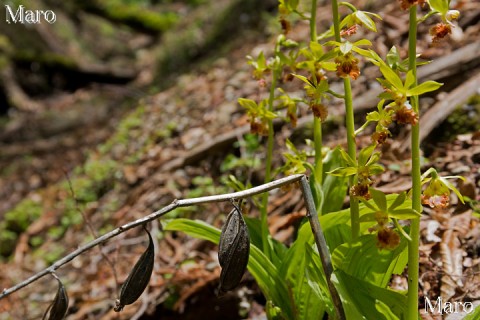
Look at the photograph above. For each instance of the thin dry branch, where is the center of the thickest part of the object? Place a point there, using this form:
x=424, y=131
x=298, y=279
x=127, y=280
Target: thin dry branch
x=155, y=215
x=312, y=217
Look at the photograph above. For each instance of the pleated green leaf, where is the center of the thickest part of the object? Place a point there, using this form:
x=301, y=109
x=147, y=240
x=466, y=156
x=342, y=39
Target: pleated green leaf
x=262, y=269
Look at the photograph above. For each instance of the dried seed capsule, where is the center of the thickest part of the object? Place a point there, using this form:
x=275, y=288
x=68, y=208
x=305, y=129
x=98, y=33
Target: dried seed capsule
x=59, y=306
x=227, y=237
x=233, y=251
x=138, y=278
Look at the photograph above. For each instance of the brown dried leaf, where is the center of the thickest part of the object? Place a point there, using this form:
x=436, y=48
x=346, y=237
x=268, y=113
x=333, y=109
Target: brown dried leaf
x=452, y=261
x=138, y=278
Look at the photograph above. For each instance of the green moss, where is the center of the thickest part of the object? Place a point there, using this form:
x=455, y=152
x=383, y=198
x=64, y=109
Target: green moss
x=36, y=241
x=54, y=252
x=137, y=16
x=125, y=131
x=91, y=182
x=56, y=232
x=7, y=240
x=18, y=219
x=465, y=119
x=46, y=59
x=100, y=170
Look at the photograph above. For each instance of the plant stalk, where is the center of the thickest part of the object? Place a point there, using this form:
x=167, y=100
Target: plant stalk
x=413, y=254
x=268, y=169
x=317, y=125
x=350, y=126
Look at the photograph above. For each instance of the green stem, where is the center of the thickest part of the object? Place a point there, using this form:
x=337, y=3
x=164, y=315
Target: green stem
x=268, y=169
x=313, y=21
x=317, y=126
x=413, y=254
x=350, y=124
x=317, y=138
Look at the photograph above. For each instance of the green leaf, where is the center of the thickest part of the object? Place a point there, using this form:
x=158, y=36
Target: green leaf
x=304, y=79
x=195, y=228
x=363, y=42
x=365, y=154
x=370, y=204
x=292, y=4
x=261, y=61
x=316, y=48
x=329, y=66
x=248, y=104
x=409, y=79
x=369, y=217
x=439, y=5
x=379, y=198
x=273, y=312
x=452, y=187
x=319, y=301
x=375, y=169
x=398, y=200
x=372, y=161
x=343, y=172
x=309, y=300
x=365, y=20
x=350, y=162
x=346, y=47
x=427, y=86
x=393, y=57
x=473, y=315
x=262, y=269
x=334, y=187
x=363, y=300
x=365, y=261
x=255, y=230
x=404, y=214
x=392, y=77
x=373, y=116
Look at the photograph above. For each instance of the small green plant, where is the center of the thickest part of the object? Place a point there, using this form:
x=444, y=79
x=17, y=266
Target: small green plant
x=370, y=210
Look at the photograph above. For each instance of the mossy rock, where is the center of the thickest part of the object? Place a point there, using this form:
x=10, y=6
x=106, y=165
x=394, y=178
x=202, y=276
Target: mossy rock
x=464, y=119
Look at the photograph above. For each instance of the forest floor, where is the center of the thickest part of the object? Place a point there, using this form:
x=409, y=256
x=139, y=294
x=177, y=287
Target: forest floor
x=106, y=154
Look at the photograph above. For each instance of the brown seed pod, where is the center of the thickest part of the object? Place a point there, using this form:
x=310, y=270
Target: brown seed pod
x=233, y=250
x=59, y=306
x=138, y=278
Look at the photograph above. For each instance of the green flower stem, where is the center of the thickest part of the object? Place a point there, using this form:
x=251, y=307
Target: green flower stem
x=413, y=254
x=317, y=126
x=317, y=138
x=313, y=21
x=268, y=168
x=352, y=152
x=350, y=124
